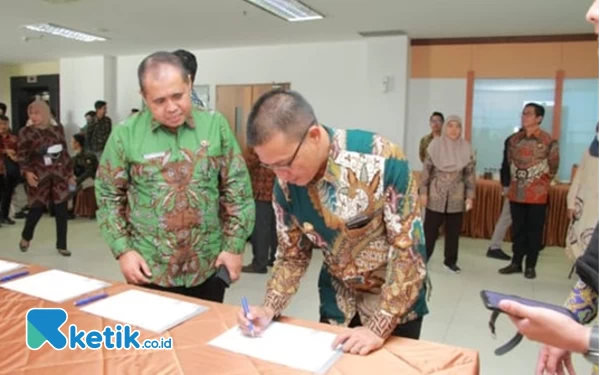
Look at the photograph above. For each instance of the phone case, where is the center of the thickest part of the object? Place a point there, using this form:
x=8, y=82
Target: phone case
x=492, y=299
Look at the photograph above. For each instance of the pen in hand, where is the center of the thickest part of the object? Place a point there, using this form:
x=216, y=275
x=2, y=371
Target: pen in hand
x=246, y=313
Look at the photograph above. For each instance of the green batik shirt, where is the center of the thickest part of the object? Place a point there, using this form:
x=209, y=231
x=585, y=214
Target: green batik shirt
x=178, y=198
x=375, y=269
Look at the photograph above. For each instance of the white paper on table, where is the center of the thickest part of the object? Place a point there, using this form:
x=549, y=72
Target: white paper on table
x=285, y=344
x=145, y=310
x=55, y=285
x=6, y=266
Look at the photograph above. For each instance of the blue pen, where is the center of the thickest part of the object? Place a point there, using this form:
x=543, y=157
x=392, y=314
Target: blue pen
x=85, y=301
x=13, y=276
x=246, y=313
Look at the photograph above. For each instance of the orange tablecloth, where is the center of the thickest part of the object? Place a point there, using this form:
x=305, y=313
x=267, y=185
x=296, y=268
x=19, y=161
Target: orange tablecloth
x=480, y=222
x=192, y=355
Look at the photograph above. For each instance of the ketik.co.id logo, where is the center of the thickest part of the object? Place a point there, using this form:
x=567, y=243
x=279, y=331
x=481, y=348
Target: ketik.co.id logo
x=43, y=326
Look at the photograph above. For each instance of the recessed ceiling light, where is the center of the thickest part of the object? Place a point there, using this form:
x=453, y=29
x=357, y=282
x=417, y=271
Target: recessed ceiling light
x=289, y=10
x=64, y=32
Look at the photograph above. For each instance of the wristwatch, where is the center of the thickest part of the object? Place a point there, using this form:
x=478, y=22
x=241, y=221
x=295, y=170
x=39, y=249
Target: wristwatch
x=592, y=353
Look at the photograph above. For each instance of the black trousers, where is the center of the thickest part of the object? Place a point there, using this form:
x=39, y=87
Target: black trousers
x=8, y=183
x=61, y=217
x=433, y=223
x=409, y=330
x=264, y=237
x=527, y=232
x=213, y=289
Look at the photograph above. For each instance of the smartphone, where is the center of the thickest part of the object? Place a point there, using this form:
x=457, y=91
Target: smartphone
x=223, y=275
x=491, y=300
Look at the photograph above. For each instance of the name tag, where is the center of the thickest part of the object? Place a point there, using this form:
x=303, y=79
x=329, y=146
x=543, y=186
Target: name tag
x=155, y=155
x=47, y=161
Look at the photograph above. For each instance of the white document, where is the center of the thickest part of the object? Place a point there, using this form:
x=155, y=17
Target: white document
x=285, y=344
x=54, y=285
x=6, y=266
x=148, y=311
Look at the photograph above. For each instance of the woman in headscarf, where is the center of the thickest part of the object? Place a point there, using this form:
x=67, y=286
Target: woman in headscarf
x=582, y=202
x=447, y=189
x=48, y=172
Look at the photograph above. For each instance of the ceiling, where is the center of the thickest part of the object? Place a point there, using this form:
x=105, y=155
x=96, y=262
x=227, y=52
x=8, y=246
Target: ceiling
x=139, y=26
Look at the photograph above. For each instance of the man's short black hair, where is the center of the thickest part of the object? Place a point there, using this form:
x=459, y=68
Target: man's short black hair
x=158, y=59
x=79, y=138
x=3, y=108
x=99, y=104
x=439, y=114
x=539, y=110
x=90, y=113
x=189, y=62
x=276, y=111
x=4, y=118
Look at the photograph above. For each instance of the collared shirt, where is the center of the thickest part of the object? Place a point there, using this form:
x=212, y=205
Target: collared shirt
x=262, y=178
x=97, y=134
x=533, y=161
x=423, y=145
x=376, y=270
x=85, y=165
x=33, y=154
x=179, y=198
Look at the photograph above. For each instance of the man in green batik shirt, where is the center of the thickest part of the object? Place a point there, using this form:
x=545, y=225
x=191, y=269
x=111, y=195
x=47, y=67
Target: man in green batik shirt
x=173, y=189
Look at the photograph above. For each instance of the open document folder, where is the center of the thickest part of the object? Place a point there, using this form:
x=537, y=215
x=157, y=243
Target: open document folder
x=55, y=285
x=148, y=311
x=285, y=344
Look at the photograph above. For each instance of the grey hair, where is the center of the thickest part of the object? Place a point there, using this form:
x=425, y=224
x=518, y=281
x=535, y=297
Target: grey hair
x=279, y=111
x=158, y=59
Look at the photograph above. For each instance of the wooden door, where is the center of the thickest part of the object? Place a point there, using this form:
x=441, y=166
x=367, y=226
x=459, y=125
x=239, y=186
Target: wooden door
x=235, y=103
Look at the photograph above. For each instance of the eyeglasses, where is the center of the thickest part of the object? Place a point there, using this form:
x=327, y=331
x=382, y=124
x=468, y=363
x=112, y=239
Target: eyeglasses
x=288, y=164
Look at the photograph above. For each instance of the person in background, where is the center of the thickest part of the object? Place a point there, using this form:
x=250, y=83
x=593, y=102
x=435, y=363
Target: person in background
x=9, y=164
x=447, y=189
x=582, y=202
x=533, y=158
x=90, y=117
x=85, y=165
x=264, y=237
x=352, y=194
x=46, y=165
x=191, y=65
x=161, y=184
x=98, y=132
x=436, y=120
x=505, y=220
x=3, y=109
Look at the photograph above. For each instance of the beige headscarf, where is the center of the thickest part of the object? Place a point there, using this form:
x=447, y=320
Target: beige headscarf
x=448, y=155
x=44, y=109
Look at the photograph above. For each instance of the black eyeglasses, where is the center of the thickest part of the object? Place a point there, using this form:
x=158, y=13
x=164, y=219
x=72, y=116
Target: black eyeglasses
x=293, y=158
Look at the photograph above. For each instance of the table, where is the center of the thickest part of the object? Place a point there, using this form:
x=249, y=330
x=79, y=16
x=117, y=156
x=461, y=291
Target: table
x=191, y=355
x=480, y=222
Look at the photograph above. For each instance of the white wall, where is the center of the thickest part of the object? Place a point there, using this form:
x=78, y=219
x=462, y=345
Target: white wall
x=341, y=80
x=83, y=81
x=426, y=96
